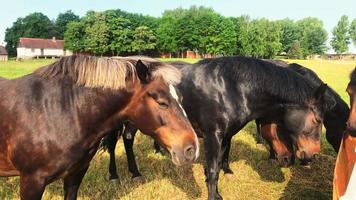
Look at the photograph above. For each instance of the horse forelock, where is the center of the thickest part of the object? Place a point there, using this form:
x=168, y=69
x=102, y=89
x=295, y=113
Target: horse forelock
x=106, y=72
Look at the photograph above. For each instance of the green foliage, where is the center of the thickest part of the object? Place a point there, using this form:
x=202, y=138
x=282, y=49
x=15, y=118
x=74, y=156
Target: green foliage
x=199, y=29
x=96, y=38
x=74, y=36
x=295, y=51
x=313, y=36
x=242, y=27
x=166, y=34
x=341, y=38
x=353, y=31
x=35, y=25
x=143, y=39
x=61, y=22
x=289, y=34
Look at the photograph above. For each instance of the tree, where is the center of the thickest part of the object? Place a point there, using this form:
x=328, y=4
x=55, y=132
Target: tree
x=353, y=31
x=61, y=22
x=143, y=39
x=35, y=25
x=166, y=37
x=289, y=33
x=120, y=33
x=242, y=27
x=12, y=36
x=313, y=36
x=273, y=39
x=74, y=36
x=295, y=51
x=96, y=38
x=341, y=38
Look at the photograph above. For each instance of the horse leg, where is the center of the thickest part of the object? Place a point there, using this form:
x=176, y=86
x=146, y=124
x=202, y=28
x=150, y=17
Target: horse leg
x=112, y=138
x=225, y=159
x=157, y=147
x=31, y=187
x=258, y=131
x=213, y=156
x=129, y=137
x=72, y=183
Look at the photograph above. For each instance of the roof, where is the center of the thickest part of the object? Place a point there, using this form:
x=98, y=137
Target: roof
x=3, y=51
x=38, y=43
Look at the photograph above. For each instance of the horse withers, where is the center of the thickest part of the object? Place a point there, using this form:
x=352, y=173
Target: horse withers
x=52, y=120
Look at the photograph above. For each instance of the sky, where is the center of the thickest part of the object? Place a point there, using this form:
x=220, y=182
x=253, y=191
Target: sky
x=326, y=10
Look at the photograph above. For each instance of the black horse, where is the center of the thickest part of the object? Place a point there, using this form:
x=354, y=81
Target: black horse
x=221, y=95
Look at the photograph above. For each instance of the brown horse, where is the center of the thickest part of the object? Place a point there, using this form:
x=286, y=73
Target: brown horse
x=52, y=120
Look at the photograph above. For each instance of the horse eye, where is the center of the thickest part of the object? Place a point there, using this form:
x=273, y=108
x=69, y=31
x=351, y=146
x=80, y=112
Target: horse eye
x=162, y=105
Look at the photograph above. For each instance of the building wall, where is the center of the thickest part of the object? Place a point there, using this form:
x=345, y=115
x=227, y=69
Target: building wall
x=3, y=57
x=30, y=53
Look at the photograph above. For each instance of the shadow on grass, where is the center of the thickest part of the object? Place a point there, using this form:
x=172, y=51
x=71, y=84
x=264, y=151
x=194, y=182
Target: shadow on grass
x=311, y=184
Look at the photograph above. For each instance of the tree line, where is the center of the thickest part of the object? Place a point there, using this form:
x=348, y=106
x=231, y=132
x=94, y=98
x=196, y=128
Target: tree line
x=199, y=29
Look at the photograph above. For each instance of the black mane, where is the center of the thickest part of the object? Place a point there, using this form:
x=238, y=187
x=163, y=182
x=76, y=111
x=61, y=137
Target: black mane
x=277, y=81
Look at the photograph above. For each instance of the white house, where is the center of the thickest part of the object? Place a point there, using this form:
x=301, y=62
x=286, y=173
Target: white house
x=36, y=47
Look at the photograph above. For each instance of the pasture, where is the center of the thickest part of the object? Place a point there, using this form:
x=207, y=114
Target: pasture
x=255, y=176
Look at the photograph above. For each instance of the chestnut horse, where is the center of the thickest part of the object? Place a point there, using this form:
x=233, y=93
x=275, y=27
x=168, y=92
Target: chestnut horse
x=221, y=95
x=52, y=120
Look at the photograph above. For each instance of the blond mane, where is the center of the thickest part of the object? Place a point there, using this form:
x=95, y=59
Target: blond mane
x=107, y=72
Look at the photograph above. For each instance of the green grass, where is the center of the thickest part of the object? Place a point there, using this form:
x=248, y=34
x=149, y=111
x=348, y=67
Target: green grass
x=255, y=176
x=14, y=69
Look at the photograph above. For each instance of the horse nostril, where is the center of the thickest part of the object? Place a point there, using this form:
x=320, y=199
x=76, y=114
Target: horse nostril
x=189, y=152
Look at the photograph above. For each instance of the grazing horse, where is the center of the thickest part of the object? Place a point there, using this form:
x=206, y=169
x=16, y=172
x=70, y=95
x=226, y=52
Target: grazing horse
x=52, y=120
x=221, y=95
x=334, y=119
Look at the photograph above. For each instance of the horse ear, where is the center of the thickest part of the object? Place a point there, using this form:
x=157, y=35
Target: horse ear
x=319, y=94
x=142, y=72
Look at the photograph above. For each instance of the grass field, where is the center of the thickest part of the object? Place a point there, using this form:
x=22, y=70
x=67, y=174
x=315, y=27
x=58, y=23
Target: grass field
x=255, y=176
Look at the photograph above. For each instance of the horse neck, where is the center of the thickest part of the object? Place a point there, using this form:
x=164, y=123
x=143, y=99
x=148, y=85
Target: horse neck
x=337, y=117
x=99, y=111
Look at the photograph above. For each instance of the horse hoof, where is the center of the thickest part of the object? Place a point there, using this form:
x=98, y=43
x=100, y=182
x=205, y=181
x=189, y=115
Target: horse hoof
x=228, y=171
x=218, y=197
x=139, y=179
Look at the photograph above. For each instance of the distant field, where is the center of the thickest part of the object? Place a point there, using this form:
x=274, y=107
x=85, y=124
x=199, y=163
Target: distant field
x=255, y=176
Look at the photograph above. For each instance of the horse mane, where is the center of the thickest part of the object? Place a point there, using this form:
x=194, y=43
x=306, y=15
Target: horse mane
x=265, y=76
x=353, y=77
x=332, y=97
x=106, y=72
